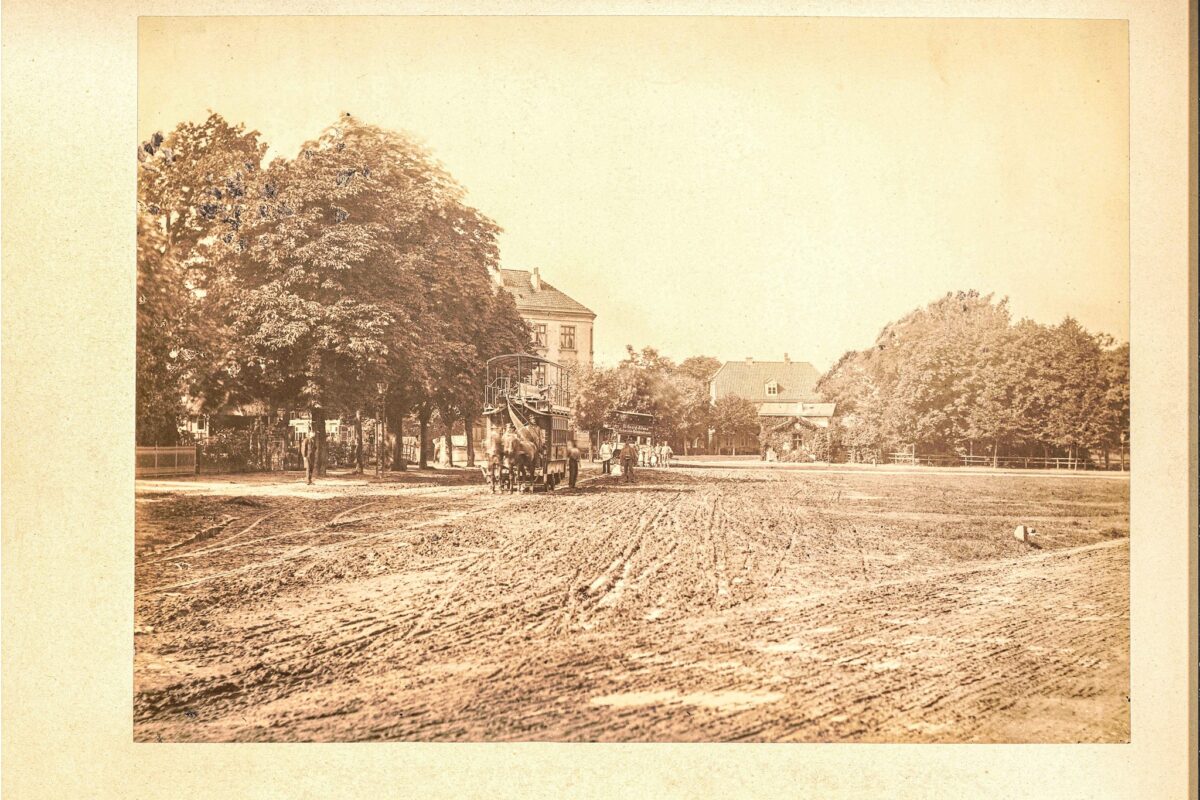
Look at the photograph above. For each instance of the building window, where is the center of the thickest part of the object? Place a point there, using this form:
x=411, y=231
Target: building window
x=567, y=338
x=772, y=389
x=539, y=334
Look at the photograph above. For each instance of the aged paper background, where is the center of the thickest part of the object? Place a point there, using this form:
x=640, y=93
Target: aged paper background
x=69, y=88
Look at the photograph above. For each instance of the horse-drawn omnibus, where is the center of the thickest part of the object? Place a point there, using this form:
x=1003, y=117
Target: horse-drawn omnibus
x=628, y=426
x=534, y=396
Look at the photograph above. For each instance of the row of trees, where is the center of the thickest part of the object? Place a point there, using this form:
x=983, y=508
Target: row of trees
x=960, y=376
x=676, y=394
x=649, y=383
x=351, y=276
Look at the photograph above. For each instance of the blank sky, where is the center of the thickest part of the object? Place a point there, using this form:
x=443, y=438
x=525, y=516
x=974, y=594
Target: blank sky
x=723, y=186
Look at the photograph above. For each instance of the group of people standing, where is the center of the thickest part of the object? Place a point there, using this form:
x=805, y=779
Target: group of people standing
x=631, y=454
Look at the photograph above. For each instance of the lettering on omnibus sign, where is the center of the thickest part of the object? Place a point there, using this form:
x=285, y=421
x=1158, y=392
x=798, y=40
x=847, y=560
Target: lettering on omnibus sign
x=630, y=422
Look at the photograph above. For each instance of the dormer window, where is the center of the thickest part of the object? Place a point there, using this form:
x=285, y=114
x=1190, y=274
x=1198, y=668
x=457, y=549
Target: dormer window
x=772, y=389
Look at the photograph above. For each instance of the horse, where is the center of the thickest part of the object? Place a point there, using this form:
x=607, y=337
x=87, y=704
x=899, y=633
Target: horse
x=514, y=458
x=520, y=449
x=495, y=454
x=534, y=439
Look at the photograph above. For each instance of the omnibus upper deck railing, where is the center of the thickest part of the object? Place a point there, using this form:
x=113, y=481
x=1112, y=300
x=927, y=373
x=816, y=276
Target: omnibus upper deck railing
x=528, y=380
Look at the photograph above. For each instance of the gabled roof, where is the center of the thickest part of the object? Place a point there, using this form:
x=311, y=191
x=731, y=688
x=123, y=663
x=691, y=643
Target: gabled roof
x=797, y=380
x=519, y=284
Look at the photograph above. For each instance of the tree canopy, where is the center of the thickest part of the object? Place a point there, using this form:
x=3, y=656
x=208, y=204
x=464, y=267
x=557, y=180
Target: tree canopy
x=311, y=280
x=959, y=372
x=647, y=382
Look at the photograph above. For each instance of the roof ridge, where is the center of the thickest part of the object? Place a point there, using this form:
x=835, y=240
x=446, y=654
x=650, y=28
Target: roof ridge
x=547, y=297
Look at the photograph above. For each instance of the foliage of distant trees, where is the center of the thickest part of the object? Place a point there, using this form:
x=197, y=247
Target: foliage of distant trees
x=960, y=376
x=309, y=282
x=735, y=417
x=648, y=383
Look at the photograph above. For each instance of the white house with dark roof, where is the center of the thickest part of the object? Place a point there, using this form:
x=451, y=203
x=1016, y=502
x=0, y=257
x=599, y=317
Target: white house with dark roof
x=562, y=326
x=783, y=391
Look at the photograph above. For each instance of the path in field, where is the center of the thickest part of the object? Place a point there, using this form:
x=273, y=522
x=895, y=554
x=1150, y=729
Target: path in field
x=705, y=605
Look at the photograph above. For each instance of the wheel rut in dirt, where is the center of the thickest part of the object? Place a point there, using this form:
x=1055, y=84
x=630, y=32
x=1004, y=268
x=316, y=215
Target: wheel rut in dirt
x=691, y=605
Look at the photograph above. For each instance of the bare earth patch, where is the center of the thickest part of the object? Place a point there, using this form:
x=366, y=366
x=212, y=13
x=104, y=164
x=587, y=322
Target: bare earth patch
x=707, y=604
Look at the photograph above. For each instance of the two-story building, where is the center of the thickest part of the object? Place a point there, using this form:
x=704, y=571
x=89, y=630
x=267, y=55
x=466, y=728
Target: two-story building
x=784, y=392
x=562, y=327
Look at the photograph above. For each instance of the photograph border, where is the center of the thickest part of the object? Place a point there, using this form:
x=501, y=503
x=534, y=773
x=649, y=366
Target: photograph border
x=69, y=89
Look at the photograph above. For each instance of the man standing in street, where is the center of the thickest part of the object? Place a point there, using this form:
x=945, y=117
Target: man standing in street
x=606, y=454
x=629, y=457
x=309, y=450
x=573, y=455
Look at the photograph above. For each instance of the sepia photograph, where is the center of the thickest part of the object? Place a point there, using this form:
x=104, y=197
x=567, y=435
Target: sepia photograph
x=632, y=379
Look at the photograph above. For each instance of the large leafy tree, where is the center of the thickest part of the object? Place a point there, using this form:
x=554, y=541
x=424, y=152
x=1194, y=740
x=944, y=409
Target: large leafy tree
x=735, y=416
x=1076, y=418
x=699, y=368
x=593, y=396
x=299, y=278
x=956, y=374
x=648, y=382
x=1006, y=398
x=850, y=384
x=1116, y=399
x=190, y=193
x=314, y=280
x=691, y=382
x=647, y=385
x=924, y=364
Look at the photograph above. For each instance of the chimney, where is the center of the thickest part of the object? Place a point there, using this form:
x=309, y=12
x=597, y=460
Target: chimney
x=536, y=280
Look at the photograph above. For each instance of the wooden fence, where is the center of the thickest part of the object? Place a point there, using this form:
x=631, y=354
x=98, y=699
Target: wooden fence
x=158, y=461
x=1005, y=462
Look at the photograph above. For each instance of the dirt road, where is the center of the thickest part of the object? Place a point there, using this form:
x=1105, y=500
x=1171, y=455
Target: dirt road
x=699, y=604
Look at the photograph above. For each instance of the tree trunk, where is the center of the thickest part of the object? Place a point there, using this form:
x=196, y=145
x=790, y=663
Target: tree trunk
x=423, y=445
x=318, y=426
x=358, y=443
x=270, y=434
x=449, y=441
x=395, y=448
x=469, y=423
x=995, y=455
x=400, y=438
